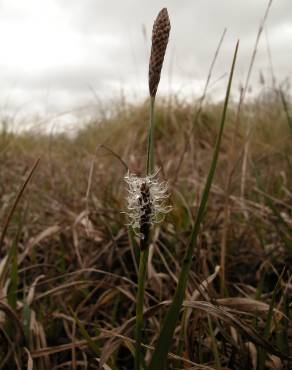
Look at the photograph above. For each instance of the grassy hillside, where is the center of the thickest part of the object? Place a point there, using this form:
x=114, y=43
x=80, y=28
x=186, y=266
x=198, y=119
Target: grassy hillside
x=68, y=268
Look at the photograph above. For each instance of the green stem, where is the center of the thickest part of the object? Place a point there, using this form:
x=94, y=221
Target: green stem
x=145, y=251
x=150, y=151
x=140, y=304
x=214, y=344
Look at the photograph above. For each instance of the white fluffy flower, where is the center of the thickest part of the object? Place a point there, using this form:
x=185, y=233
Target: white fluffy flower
x=146, y=200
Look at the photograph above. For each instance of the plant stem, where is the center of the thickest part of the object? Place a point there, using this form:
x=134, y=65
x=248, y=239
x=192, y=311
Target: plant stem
x=140, y=302
x=150, y=151
x=214, y=344
x=145, y=251
x=16, y=201
x=159, y=357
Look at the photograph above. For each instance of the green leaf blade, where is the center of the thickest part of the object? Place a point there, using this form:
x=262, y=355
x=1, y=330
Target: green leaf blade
x=159, y=357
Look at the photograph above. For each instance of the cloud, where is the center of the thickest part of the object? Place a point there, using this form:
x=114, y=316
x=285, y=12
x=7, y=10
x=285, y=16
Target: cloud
x=65, y=47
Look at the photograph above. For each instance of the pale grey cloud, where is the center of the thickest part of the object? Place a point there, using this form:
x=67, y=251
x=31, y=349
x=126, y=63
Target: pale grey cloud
x=65, y=47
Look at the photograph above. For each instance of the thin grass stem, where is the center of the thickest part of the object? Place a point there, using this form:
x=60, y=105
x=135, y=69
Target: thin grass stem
x=144, y=252
x=150, y=150
x=214, y=344
x=140, y=304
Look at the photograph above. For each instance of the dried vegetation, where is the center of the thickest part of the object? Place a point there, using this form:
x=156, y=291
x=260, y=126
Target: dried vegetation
x=68, y=267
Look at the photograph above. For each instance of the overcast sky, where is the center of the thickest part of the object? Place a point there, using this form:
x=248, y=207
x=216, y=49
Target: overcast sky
x=55, y=53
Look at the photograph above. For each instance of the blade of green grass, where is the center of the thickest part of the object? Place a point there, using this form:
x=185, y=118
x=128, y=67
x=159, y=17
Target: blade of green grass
x=267, y=330
x=9, y=256
x=214, y=344
x=159, y=356
x=26, y=321
x=17, y=199
x=93, y=345
x=284, y=335
x=12, y=292
x=13, y=258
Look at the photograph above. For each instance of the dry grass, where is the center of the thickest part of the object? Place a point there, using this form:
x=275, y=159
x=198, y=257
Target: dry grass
x=73, y=261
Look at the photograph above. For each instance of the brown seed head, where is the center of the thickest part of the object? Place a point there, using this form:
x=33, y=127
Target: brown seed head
x=160, y=34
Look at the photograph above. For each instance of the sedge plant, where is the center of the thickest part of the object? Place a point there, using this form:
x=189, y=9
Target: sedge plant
x=146, y=196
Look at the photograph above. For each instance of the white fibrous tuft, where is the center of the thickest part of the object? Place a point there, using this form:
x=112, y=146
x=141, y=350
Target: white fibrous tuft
x=151, y=207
